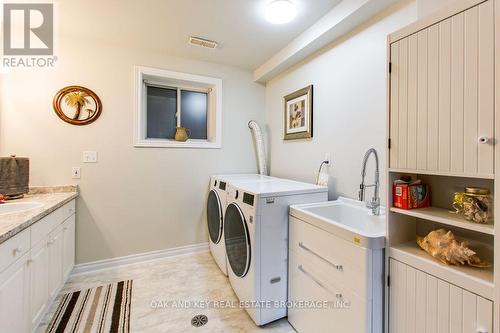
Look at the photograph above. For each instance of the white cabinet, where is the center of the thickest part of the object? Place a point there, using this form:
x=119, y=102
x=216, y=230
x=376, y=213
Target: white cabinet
x=39, y=273
x=68, y=246
x=326, y=268
x=419, y=302
x=442, y=95
x=34, y=265
x=14, y=297
x=55, y=261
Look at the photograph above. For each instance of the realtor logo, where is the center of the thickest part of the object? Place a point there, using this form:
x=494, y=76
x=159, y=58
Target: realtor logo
x=28, y=35
x=28, y=29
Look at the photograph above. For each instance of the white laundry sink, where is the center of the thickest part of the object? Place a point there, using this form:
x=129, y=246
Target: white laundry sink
x=18, y=207
x=346, y=218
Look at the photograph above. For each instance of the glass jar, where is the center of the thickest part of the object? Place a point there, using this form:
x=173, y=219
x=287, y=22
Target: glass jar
x=474, y=204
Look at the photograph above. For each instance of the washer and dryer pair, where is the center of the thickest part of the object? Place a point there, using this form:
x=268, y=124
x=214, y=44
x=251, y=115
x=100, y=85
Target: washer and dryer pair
x=254, y=231
x=216, y=208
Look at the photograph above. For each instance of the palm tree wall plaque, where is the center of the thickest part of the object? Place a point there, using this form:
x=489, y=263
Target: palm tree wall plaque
x=81, y=100
x=77, y=100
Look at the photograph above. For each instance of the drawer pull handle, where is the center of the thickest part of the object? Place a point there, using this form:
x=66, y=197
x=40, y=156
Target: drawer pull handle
x=337, y=267
x=317, y=281
x=16, y=251
x=50, y=242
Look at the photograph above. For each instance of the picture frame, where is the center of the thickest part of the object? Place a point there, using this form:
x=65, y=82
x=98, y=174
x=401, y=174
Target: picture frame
x=298, y=114
x=77, y=105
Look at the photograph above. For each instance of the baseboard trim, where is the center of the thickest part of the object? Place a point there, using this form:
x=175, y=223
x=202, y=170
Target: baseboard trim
x=100, y=265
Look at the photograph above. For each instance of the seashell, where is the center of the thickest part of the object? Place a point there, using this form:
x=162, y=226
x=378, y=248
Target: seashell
x=442, y=245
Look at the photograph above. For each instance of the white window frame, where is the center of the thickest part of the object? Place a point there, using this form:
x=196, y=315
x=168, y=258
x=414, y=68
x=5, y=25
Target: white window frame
x=179, y=81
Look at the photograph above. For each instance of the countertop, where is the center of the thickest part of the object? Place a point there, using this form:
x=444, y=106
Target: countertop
x=52, y=198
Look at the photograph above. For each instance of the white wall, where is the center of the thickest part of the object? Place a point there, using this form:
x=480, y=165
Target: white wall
x=134, y=199
x=349, y=79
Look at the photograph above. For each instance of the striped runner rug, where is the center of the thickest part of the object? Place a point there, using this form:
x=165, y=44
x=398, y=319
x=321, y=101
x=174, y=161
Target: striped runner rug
x=94, y=310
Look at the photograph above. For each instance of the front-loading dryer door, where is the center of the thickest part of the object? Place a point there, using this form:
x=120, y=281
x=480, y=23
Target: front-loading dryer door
x=214, y=217
x=237, y=240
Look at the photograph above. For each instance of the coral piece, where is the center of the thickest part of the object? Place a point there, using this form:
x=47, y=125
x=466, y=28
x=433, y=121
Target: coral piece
x=442, y=245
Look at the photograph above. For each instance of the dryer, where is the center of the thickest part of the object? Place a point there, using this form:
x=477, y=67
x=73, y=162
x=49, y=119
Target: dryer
x=256, y=241
x=216, y=206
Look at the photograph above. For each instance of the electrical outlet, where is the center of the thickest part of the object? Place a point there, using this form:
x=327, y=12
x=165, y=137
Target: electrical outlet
x=90, y=156
x=76, y=172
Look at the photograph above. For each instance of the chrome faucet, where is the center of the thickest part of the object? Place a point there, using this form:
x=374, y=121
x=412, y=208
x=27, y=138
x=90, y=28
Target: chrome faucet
x=374, y=204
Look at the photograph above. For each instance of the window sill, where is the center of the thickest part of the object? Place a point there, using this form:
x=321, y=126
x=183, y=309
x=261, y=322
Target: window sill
x=165, y=143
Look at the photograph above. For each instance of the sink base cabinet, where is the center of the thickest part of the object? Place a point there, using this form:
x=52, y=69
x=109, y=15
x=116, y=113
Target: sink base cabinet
x=34, y=266
x=15, y=297
x=39, y=277
x=419, y=302
x=333, y=284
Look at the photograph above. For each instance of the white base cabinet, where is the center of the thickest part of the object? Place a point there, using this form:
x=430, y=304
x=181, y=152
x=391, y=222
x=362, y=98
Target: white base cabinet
x=39, y=273
x=34, y=265
x=55, y=261
x=15, y=297
x=333, y=285
x=419, y=302
x=68, y=236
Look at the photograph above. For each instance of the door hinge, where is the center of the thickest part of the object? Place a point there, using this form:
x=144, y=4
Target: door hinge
x=389, y=143
x=390, y=67
x=388, y=281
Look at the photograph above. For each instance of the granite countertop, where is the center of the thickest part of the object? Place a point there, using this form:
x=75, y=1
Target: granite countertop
x=52, y=198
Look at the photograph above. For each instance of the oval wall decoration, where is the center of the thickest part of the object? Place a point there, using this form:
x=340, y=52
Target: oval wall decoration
x=77, y=105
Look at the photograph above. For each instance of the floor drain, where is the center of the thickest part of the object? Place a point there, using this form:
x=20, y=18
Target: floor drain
x=199, y=320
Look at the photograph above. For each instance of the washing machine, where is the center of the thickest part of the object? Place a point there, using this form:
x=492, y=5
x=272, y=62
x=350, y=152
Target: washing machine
x=216, y=206
x=256, y=242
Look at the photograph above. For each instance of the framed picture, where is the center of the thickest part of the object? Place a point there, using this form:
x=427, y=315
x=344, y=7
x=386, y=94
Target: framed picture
x=299, y=114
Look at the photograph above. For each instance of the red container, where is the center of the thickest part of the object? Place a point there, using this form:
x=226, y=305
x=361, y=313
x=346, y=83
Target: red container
x=410, y=196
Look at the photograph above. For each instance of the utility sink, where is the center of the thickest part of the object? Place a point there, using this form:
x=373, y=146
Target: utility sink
x=18, y=207
x=347, y=218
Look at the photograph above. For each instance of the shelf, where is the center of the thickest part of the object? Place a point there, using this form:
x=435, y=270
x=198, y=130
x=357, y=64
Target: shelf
x=476, y=280
x=443, y=216
x=442, y=173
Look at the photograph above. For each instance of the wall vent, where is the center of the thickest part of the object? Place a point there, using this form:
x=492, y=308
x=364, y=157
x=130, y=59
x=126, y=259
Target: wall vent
x=202, y=42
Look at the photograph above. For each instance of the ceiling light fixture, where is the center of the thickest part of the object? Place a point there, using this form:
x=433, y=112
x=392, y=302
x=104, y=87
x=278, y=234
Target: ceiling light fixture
x=280, y=11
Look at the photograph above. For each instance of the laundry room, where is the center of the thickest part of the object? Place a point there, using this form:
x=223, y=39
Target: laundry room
x=249, y=165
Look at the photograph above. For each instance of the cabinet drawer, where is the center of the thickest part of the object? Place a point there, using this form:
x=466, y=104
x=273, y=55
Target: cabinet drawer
x=42, y=228
x=341, y=261
x=14, y=248
x=344, y=310
x=67, y=210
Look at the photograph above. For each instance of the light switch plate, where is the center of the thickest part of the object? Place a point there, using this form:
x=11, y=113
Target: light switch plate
x=90, y=156
x=76, y=172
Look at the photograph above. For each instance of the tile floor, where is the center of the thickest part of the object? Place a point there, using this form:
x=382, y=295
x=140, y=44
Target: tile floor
x=193, y=277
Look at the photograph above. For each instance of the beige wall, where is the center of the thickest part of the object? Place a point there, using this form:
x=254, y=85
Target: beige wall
x=134, y=199
x=349, y=79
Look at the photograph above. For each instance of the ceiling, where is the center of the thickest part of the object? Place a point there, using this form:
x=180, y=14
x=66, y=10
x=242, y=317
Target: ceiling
x=246, y=39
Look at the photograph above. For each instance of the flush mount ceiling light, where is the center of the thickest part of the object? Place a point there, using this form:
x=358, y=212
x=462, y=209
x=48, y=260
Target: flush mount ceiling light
x=280, y=11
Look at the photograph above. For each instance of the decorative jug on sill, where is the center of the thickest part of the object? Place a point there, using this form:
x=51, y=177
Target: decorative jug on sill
x=182, y=134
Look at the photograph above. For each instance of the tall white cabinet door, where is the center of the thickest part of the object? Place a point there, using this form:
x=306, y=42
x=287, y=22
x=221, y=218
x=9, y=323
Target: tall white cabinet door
x=55, y=261
x=442, y=96
x=419, y=302
x=68, y=246
x=39, y=271
x=14, y=297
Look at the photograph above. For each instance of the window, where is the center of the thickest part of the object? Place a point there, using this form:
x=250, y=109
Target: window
x=167, y=100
